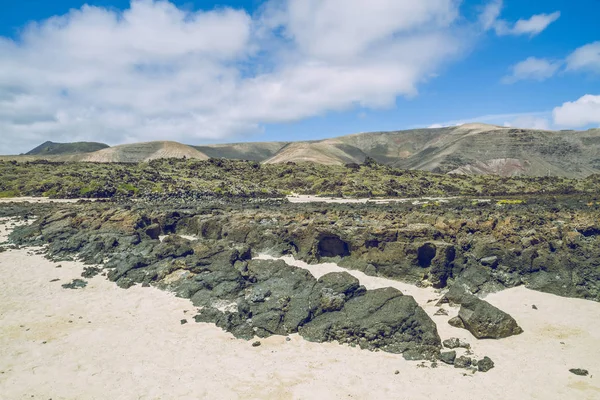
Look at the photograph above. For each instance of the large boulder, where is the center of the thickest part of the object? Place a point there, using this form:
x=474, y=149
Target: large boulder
x=479, y=317
x=381, y=319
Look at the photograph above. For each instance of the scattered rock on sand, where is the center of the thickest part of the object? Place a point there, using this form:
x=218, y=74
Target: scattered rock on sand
x=485, y=364
x=448, y=357
x=90, y=272
x=479, y=317
x=456, y=322
x=454, y=343
x=75, y=284
x=579, y=371
x=462, y=362
x=256, y=344
x=441, y=311
x=485, y=321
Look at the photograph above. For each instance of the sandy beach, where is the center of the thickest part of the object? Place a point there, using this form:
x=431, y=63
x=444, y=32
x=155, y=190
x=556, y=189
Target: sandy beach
x=103, y=342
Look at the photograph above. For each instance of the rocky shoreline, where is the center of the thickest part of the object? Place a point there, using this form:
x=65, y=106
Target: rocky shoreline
x=204, y=252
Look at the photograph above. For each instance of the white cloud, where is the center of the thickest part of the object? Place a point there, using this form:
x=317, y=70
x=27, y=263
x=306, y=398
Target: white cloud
x=579, y=113
x=490, y=14
x=495, y=119
x=532, y=26
x=538, y=69
x=490, y=19
x=529, y=122
x=585, y=58
x=155, y=72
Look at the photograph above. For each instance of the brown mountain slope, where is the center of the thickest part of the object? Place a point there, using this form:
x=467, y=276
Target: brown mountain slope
x=467, y=149
x=143, y=152
x=259, y=151
x=329, y=152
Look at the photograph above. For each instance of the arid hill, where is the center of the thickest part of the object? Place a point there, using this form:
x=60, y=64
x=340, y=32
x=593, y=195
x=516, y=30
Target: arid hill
x=144, y=152
x=471, y=149
x=51, y=148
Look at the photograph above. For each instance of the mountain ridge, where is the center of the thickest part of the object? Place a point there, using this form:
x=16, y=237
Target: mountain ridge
x=472, y=149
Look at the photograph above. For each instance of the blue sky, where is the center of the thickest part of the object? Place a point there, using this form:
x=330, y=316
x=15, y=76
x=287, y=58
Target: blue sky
x=205, y=71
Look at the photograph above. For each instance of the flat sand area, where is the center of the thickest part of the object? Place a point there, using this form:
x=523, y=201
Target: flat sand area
x=103, y=342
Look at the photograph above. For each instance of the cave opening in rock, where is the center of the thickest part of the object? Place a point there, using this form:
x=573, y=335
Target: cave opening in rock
x=333, y=246
x=425, y=254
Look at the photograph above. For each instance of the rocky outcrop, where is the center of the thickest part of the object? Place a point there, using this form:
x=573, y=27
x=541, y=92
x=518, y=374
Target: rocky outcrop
x=381, y=319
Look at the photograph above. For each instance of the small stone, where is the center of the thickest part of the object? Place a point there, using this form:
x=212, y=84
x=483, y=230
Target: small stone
x=59, y=266
x=287, y=339
x=485, y=364
x=44, y=342
x=448, y=357
x=183, y=321
x=462, y=362
x=579, y=371
x=441, y=311
x=456, y=322
x=396, y=372
x=75, y=284
x=534, y=307
x=256, y=344
x=454, y=343
x=489, y=261
x=55, y=280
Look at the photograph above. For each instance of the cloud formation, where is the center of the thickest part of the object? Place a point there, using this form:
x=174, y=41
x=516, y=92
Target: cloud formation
x=533, y=68
x=532, y=26
x=585, y=58
x=579, y=113
x=154, y=71
x=536, y=24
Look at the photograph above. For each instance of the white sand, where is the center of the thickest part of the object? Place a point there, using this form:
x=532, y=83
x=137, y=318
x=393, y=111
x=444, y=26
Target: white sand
x=103, y=342
x=316, y=199
x=40, y=200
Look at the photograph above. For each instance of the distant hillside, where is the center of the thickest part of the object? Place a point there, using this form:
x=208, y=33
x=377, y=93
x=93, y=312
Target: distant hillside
x=471, y=149
x=137, y=152
x=51, y=148
x=242, y=151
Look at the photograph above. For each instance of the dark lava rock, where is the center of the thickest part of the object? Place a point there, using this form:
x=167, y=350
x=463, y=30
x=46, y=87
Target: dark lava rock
x=75, y=284
x=454, y=343
x=448, y=357
x=153, y=231
x=90, y=272
x=462, y=362
x=380, y=319
x=485, y=364
x=485, y=321
x=491, y=262
x=456, y=322
x=579, y=371
x=479, y=317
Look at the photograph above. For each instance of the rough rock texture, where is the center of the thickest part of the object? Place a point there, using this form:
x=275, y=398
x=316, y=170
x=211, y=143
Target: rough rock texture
x=454, y=343
x=462, y=362
x=448, y=357
x=485, y=364
x=470, y=248
x=579, y=371
x=479, y=317
x=380, y=319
